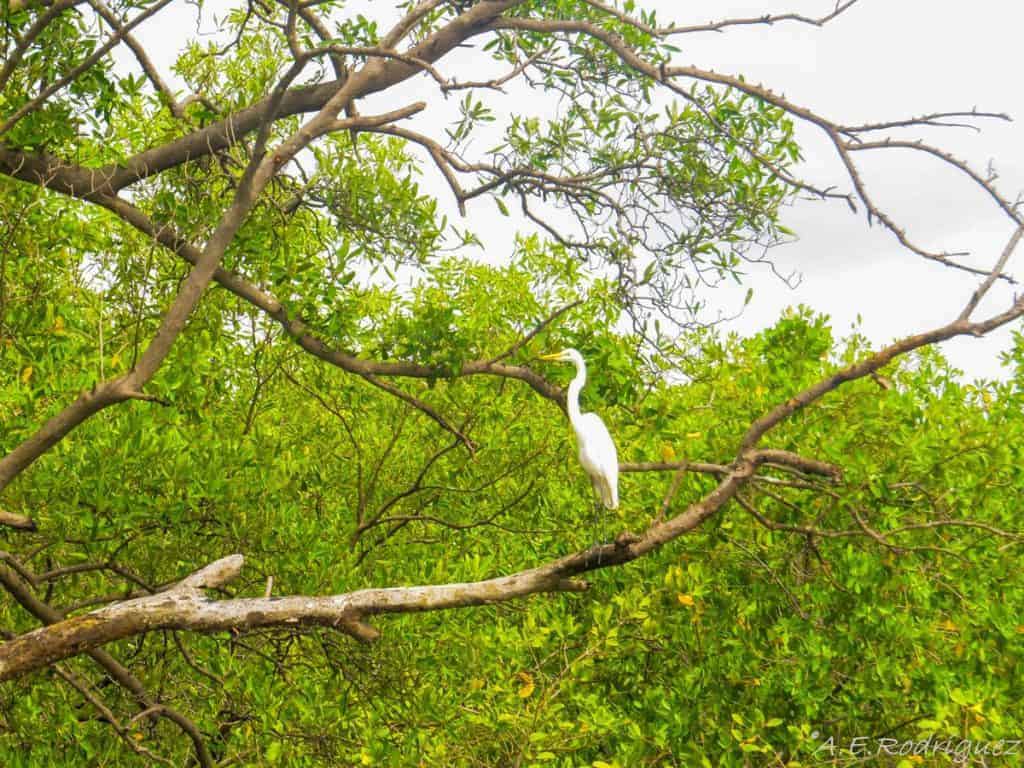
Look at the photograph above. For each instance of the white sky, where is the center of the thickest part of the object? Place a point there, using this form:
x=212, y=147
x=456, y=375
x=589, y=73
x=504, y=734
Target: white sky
x=881, y=60
x=886, y=60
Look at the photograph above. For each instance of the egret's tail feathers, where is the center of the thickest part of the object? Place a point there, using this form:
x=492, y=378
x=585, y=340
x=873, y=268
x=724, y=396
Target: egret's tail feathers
x=609, y=495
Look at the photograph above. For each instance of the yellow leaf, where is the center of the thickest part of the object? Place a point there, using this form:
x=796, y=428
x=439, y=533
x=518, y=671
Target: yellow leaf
x=138, y=736
x=527, y=680
x=986, y=397
x=686, y=600
x=58, y=324
x=476, y=684
x=26, y=374
x=667, y=452
x=759, y=390
x=115, y=360
x=1020, y=629
x=948, y=625
x=694, y=435
x=365, y=759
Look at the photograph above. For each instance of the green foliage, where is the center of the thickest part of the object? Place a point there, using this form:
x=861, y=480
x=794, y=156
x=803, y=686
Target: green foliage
x=738, y=642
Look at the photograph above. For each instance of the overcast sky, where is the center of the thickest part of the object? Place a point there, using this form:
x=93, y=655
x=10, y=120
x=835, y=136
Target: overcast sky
x=881, y=60
x=887, y=60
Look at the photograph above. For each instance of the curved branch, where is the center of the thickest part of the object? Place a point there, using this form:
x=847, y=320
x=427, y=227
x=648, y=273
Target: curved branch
x=934, y=120
x=303, y=335
x=421, y=406
x=76, y=181
x=536, y=330
x=121, y=729
x=204, y=266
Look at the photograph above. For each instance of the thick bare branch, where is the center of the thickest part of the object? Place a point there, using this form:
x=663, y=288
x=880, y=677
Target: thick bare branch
x=184, y=608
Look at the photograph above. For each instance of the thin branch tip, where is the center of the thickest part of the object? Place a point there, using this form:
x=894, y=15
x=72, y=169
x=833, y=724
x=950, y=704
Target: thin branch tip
x=573, y=585
x=18, y=522
x=216, y=574
x=359, y=630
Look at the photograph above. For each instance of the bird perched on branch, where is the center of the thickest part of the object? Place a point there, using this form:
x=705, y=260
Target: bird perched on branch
x=596, y=448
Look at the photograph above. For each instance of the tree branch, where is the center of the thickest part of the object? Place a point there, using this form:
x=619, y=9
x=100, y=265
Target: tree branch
x=536, y=330
x=20, y=522
x=30, y=34
x=119, y=728
x=421, y=406
x=718, y=26
x=375, y=76
x=206, y=264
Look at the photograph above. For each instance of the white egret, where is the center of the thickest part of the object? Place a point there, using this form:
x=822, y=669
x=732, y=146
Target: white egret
x=596, y=448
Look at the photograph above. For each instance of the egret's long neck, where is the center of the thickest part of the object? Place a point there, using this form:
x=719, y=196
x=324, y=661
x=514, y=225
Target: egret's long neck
x=573, y=400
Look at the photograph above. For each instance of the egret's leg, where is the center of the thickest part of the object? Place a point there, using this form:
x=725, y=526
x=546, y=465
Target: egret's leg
x=596, y=525
x=598, y=508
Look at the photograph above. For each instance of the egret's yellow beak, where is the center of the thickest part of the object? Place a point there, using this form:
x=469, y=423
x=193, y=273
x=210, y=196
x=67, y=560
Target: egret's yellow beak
x=553, y=356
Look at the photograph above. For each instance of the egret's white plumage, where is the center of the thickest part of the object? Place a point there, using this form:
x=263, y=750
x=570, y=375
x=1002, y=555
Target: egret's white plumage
x=596, y=448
